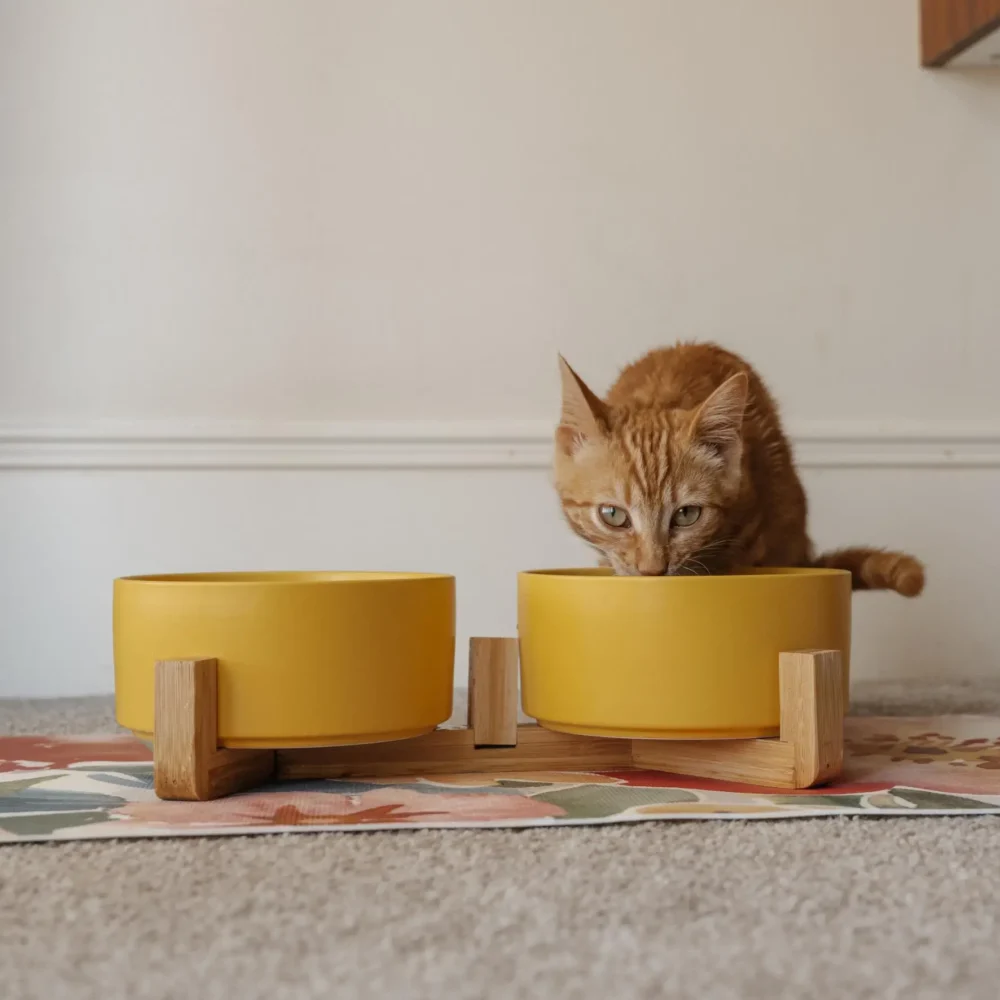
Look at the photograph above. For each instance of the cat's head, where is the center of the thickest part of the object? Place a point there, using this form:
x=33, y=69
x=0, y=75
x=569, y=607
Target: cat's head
x=650, y=487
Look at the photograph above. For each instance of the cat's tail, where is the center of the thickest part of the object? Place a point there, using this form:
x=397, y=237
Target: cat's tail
x=876, y=569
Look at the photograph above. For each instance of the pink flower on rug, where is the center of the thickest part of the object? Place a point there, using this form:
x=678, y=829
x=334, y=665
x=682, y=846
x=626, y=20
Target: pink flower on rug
x=34, y=753
x=383, y=805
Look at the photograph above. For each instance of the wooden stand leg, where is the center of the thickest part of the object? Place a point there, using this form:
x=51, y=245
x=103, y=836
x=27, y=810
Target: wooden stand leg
x=493, y=665
x=187, y=760
x=812, y=713
x=809, y=752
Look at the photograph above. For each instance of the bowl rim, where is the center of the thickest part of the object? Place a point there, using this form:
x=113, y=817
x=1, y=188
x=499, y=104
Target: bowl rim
x=286, y=578
x=759, y=573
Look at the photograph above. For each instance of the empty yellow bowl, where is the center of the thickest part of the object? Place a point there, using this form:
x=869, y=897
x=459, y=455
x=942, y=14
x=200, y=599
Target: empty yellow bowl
x=671, y=657
x=305, y=659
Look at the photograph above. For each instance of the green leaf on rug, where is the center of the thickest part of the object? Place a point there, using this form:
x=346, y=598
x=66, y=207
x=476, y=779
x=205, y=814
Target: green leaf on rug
x=54, y=801
x=922, y=798
x=10, y=788
x=601, y=801
x=123, y=780
x=46, y=824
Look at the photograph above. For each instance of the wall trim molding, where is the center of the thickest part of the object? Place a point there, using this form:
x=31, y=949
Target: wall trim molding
x=227, y=445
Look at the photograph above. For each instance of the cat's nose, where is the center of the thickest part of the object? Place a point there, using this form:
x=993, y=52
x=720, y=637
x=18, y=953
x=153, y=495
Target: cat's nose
x=652, y=566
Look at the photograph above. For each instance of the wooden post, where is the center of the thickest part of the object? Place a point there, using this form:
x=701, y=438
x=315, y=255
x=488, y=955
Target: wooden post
x=493, y=692
x=187, y=761
x=812, y=713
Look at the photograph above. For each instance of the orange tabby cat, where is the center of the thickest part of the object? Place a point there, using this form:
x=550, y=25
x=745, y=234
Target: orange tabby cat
x=684, y=468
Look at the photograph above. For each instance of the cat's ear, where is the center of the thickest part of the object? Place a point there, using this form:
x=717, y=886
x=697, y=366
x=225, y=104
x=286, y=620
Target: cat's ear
x=583, y=415
x=718, y=422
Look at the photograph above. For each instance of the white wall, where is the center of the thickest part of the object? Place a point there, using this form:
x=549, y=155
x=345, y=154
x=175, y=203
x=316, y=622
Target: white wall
x=247, y=235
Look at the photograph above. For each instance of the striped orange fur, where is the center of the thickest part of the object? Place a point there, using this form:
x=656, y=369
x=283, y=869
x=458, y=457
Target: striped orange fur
x=684, y=469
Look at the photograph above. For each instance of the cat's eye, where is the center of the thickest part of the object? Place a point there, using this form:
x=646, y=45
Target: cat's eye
x=612, y=516
x=684, y=517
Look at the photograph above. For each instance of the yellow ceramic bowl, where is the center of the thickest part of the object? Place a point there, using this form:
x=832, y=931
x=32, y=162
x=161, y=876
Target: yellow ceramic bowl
x=671, y=657
x=305, y=659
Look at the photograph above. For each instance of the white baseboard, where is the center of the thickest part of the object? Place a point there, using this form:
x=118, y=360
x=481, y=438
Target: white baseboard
x=430, y=445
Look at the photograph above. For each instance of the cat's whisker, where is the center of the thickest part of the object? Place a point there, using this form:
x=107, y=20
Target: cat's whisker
x=686, y=568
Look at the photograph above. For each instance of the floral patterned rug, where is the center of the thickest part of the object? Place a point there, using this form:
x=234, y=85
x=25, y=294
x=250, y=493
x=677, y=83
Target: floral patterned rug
x=88, y=788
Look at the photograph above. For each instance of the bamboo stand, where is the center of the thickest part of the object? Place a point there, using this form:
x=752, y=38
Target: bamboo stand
x=189, y=763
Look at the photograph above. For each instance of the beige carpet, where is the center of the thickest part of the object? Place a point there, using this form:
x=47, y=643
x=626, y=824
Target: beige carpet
x=798, y=909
